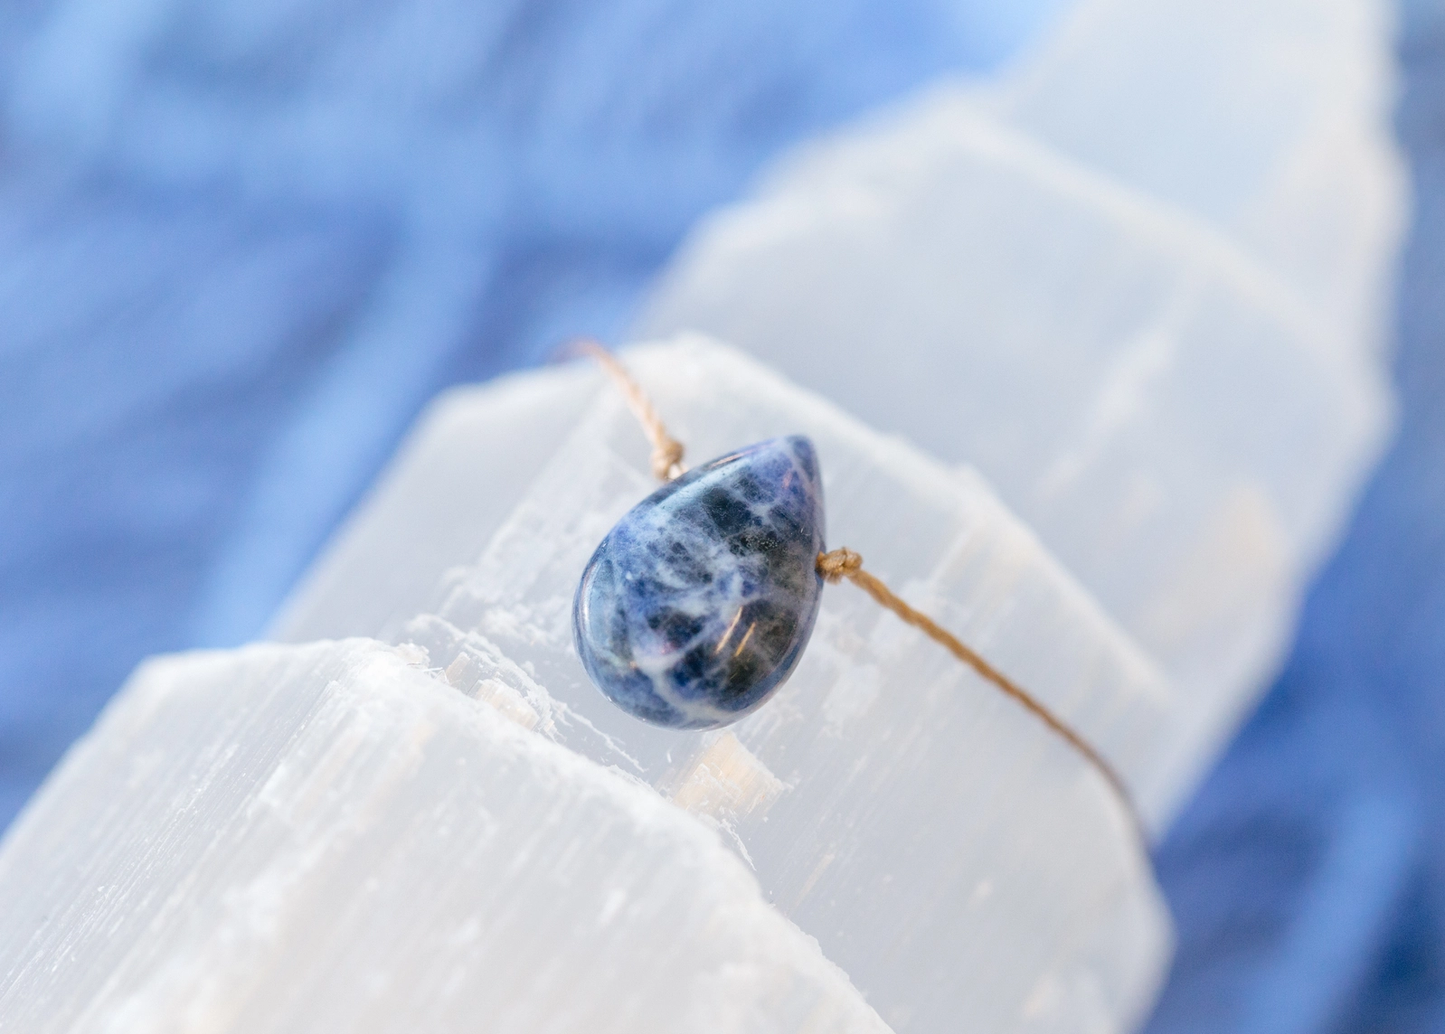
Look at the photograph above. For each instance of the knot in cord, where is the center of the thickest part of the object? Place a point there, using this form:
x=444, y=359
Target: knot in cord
x=667, y=459
x=839, y=564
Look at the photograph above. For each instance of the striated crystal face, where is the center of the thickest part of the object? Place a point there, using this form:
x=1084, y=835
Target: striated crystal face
x=698, y=604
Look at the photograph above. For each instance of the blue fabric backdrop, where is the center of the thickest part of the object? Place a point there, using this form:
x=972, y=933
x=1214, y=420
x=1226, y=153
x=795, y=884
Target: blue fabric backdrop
x=242, y=241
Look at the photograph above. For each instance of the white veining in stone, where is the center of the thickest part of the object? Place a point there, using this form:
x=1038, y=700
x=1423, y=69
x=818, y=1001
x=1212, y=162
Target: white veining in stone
x=700, y=601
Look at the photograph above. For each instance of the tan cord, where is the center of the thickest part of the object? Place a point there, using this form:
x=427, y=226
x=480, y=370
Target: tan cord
x=666, y=450
x=844, y=563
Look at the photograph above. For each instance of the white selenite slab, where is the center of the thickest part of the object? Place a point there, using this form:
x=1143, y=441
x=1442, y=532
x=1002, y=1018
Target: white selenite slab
x=327, y=838
x=948, y=851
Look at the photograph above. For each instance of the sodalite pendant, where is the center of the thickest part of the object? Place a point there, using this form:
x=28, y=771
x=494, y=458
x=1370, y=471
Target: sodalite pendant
x=698, y=604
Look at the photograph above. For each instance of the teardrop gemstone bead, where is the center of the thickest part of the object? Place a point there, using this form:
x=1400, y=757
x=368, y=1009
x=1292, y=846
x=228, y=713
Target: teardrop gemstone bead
x=698, y=603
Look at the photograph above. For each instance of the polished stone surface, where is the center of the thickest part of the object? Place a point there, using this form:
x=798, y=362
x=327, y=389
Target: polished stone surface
x=698, y=603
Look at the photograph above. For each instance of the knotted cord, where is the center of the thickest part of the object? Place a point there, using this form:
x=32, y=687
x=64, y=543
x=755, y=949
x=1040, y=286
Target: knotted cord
x=839, y=564
x=666, y=450
x=844, y=563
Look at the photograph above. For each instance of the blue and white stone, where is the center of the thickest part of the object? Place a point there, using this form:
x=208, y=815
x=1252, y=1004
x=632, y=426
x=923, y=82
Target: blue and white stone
x=699, y=602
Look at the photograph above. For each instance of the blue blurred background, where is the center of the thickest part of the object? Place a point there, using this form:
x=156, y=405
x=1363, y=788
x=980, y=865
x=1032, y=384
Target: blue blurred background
x=242, y=243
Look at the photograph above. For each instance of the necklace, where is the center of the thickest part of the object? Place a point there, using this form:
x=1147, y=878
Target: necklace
x=698, y=604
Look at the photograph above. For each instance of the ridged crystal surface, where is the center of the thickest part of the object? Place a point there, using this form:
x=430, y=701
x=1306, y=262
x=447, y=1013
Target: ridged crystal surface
x=330, y=838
